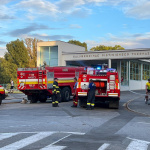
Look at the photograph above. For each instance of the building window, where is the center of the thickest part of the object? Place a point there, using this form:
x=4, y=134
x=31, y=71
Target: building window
x=49, y=54
x=135, y=71
x=146, y=71
x=124, y=73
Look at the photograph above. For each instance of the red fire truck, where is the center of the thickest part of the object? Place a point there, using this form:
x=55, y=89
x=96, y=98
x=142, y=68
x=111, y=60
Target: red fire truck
x=2, y=94
x=37, y=83
x=107, y=86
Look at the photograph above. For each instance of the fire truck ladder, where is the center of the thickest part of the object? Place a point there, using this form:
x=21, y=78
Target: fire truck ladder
x=40, y=80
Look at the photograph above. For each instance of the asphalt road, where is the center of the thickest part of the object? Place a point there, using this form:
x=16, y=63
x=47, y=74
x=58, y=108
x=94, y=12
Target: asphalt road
x=40, y=126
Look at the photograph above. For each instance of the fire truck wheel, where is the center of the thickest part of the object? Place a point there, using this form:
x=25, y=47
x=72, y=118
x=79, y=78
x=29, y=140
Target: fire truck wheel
x=82, y=102
x=114, y=104
x=29, y=97
x=43, y=100
x=65, y=94
x=34, y=99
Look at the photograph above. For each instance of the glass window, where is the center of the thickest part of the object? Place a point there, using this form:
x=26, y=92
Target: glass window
x=124, y=73
x=146, y=71
x=135, y=71
x=49, y=54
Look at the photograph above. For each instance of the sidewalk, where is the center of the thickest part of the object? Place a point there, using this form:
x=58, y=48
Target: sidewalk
x=14, y=98
x=137, y=103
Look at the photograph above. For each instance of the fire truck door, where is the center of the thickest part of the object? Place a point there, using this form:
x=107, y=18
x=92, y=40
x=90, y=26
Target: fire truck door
x=50, y=80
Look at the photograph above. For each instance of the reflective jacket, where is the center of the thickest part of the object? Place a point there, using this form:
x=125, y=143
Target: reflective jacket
x=56, y=88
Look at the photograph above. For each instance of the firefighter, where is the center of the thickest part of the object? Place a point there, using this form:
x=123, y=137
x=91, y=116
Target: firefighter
x=75, y=98
x=56, y=93
x=91, y=95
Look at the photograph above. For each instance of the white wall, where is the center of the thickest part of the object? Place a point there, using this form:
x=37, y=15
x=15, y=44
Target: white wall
x=66, y=47
x=62, y=47
x=134, y=85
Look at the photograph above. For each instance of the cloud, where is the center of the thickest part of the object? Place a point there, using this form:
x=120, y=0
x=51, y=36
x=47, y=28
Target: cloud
x=38, y=7
x=2, y=51
x=73, y=8
x=27, y=30
x=2, y=2
x=65, y=5
x=6, y=17
x=5, y=13
x=52, y=37
x=81, y=12
x=141, y=11
x=96, y=1
x=33, y=9
x=47, y=37
x=56, y=10
x=2, y=42
x=126, y=40
x=75, y=26
x=132, y=8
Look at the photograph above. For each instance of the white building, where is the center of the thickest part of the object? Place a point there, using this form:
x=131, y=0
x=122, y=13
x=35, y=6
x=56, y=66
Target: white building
x=133, y=65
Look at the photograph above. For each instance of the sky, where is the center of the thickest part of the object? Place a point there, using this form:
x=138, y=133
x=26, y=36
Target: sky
x=96, y=22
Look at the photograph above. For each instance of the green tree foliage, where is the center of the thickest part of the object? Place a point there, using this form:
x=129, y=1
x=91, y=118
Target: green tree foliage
x=15, y=57
x=5, y=74
x=31, y=44
x=103, y=47
x=17, y=53
x=78, y=43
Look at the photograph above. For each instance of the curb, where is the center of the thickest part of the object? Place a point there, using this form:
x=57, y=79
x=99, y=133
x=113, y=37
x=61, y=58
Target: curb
x=127, y=106
x=13, y=98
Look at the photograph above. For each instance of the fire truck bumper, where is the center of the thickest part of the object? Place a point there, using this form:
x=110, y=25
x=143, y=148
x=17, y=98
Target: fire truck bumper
x=113, y=94
x=82, y=93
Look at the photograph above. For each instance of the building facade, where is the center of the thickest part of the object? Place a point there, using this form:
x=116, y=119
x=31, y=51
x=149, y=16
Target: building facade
x=51, y=52
x=132, y=65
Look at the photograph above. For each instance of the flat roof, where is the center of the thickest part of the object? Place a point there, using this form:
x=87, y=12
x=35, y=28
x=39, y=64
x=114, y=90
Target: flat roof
x=108, y=51
x=58, y=41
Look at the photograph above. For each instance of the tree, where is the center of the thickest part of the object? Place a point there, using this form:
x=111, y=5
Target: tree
x=17, y=53
x=31, y=44
x=15, y=57
x=78, y=43
x=5, y=74
x=103, y=47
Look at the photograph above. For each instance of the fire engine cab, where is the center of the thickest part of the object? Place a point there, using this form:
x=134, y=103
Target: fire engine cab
x=37, y=83
x=2, y=94
x=107, y=86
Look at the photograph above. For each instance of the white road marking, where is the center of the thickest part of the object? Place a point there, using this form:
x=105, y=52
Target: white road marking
x=51, y=146
x=124, y=104
x=104, y=146
x=76, y=133
x=143, y=123
x=7, y=135
x=29, y=140
x=138, y=145
x=54, y=148
x=34, y=138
